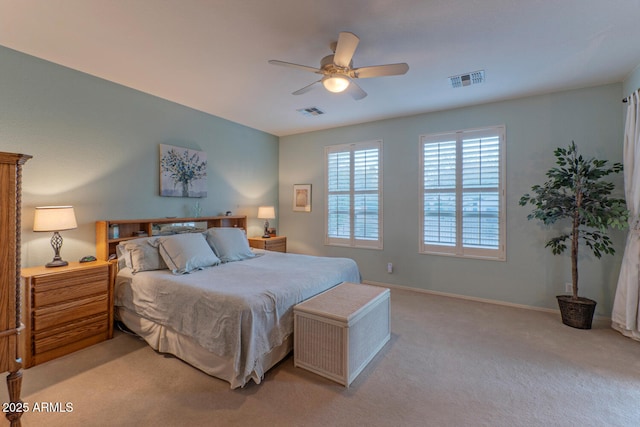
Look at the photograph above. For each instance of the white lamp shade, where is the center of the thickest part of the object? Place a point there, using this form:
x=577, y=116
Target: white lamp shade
x=335, y=84
x=266, y=212
x=54, y=218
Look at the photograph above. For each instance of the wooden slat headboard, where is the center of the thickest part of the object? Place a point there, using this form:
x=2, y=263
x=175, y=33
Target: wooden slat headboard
x=133, y=228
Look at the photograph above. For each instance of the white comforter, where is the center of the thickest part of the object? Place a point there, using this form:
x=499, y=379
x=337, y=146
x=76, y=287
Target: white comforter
x=241, y=309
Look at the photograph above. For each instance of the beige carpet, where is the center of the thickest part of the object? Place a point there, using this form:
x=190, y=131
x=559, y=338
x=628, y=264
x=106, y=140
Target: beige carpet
x=450, y=362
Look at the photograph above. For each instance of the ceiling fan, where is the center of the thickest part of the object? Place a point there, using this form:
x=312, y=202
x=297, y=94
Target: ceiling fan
x=337, y=72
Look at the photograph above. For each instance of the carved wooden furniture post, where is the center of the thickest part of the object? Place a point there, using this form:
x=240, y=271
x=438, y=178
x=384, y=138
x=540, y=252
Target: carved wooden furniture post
x=10, y=325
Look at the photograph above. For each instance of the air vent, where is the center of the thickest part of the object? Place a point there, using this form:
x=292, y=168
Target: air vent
x=467, y=79
x=311, y=111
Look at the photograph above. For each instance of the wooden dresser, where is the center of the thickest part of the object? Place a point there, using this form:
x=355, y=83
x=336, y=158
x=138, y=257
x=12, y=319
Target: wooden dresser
x=65, y=309
x=10, y=324
x=275, y=243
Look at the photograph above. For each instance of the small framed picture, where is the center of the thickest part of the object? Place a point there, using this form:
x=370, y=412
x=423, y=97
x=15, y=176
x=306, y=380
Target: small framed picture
x=302, y=197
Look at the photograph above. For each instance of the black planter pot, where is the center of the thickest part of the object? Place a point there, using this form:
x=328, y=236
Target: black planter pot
x=577, y=313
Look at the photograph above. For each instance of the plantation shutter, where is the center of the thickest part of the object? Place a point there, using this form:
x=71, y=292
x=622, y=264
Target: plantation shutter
x=463, y=193
x=440, y=192
x=480, y=192
x=339, y=190
x=354, y=194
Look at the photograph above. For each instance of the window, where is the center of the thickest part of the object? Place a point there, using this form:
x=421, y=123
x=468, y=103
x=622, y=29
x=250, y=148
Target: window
x=463, y=193
x=354, y=195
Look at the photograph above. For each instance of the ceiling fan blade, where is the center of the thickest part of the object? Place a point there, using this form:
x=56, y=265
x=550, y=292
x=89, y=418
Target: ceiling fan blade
x=306, y=88
x=298, y=66
x=345, y=48
x=356, y=91
x=380, y=70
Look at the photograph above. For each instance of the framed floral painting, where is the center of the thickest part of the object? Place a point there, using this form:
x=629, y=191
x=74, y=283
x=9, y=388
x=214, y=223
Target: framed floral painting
x=302, y=197
x=183, y=172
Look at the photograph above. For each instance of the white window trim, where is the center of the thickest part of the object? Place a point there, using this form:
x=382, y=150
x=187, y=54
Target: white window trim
x=352, y=241
x=459, y=250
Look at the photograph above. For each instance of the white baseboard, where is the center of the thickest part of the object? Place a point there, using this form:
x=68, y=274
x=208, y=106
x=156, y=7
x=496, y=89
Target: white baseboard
x=469, y=298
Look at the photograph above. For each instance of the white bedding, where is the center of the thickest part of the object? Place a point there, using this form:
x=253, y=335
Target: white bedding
x=239, y=310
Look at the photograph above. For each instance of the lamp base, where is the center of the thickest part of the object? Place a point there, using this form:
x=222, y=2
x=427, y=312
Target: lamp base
x=266, y=234
x=58, y=263
x=56, y=244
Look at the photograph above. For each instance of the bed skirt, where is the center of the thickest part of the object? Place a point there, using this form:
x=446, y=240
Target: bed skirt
x=165, y=340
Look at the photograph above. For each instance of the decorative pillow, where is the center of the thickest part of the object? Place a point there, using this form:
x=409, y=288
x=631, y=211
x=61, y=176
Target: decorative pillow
x=230, y=244
x=141, y=255
x=121, y=254
x=184, y=253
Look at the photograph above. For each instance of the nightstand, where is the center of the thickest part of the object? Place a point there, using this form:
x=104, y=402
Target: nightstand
x=275, y=243
x=65, y=309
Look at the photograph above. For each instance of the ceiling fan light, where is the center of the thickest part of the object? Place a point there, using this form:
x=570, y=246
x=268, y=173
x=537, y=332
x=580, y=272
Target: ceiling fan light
x=335, y=84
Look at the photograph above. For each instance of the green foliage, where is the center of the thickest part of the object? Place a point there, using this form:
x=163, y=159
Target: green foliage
x=577, y=192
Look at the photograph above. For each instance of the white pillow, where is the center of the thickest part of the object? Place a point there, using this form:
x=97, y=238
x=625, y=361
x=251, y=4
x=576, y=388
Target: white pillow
x=184, y=253
x=230, y=244
x=141, y=255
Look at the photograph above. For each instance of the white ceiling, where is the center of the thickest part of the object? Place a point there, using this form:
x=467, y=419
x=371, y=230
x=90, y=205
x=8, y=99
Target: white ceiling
x=212, y=55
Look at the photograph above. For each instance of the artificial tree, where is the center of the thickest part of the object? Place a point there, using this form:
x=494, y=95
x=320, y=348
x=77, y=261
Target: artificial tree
x=577, y=192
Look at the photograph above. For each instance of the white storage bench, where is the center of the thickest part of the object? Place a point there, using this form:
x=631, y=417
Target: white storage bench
x=339, y=331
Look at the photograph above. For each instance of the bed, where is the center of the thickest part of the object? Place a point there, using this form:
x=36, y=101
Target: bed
x=210, y=300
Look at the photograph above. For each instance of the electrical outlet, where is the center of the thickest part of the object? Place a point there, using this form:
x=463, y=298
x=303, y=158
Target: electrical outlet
x=389, y=267
x=568, y=287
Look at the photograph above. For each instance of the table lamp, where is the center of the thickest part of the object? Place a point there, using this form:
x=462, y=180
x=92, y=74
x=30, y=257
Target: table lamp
x=55, y=218
x=266, y=213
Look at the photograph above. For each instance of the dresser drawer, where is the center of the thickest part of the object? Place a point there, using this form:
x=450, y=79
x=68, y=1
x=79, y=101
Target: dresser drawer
x=49, y=290
x=276, y=245
x=62, y=313
x=69, y=333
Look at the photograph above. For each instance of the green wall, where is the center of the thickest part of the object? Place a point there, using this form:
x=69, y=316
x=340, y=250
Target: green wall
x=535, y=127
x=95, y=146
